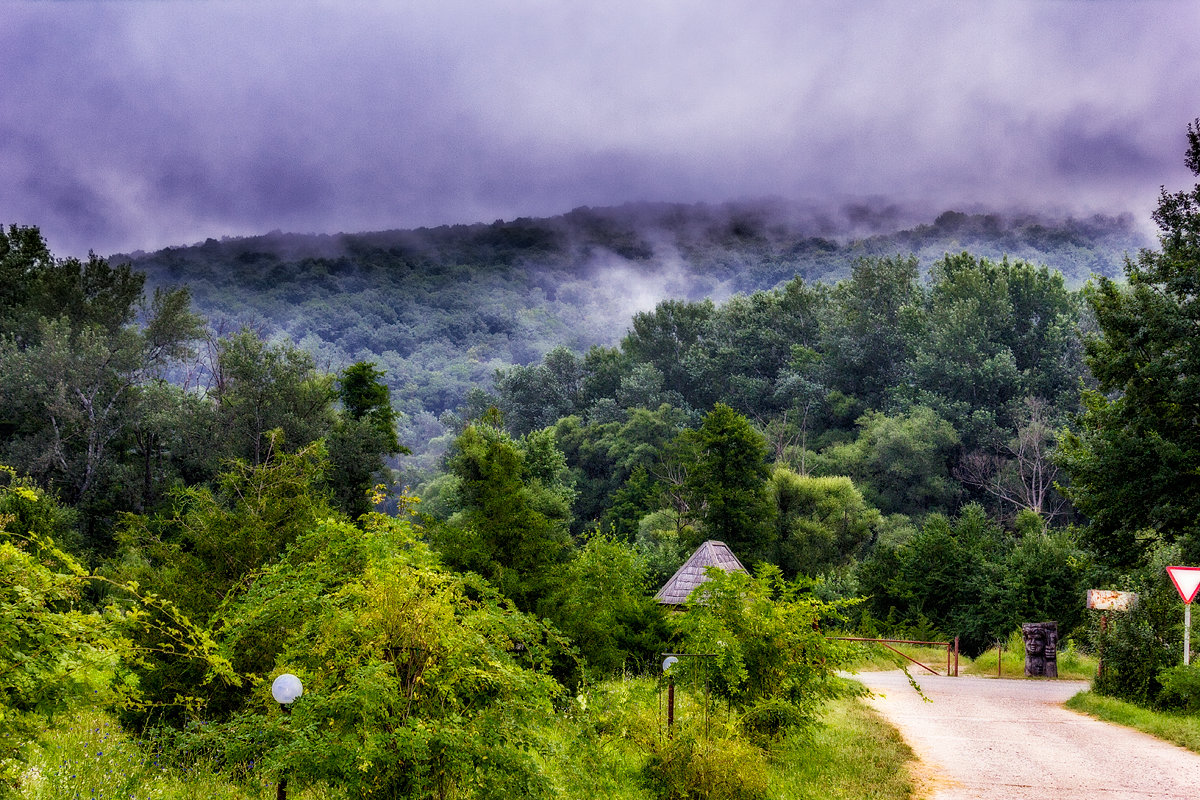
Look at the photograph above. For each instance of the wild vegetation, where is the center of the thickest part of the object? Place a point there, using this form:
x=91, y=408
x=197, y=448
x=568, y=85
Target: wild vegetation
x=188, y=511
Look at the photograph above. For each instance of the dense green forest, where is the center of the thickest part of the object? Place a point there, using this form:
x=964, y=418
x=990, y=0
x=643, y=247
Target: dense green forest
x=940, y=433
x=440, y=310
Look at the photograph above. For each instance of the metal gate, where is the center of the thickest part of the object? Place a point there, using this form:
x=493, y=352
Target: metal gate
x=951, y=651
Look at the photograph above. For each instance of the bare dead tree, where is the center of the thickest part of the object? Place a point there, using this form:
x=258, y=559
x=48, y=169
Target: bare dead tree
x=1021, y=474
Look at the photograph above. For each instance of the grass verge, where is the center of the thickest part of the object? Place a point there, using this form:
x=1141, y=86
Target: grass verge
x=601, y=750
x=854, y=754
x=1178, y=729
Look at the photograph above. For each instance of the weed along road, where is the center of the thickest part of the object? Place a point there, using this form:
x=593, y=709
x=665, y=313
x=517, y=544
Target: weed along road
x=982, y=738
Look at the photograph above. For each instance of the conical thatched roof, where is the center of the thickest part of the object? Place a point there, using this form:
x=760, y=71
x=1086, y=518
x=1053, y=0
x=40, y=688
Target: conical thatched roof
x=710, y=554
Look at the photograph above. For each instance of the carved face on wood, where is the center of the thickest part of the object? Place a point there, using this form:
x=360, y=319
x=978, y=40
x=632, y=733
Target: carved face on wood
x=1041, y=648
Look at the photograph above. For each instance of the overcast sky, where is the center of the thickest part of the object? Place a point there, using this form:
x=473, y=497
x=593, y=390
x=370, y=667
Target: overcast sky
x=135, y=125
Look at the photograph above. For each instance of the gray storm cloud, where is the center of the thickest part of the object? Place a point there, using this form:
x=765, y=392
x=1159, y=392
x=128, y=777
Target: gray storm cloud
x=130, y=125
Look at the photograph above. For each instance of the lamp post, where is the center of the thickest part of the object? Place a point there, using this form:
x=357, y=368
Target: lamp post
x=285, y=689
x=669, y=662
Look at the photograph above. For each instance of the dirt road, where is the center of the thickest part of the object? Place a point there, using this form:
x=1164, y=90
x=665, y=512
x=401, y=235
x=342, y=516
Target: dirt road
x=984, y=738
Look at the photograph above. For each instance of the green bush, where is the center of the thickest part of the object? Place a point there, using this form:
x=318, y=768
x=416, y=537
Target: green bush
x=418, y=682
x=1180, y=688
x=771, y=719
x=1137, y=645
x=687, y=768
x=764, y=640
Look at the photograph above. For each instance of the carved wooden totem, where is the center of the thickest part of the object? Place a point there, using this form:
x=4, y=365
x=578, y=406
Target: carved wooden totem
x=1041, y=649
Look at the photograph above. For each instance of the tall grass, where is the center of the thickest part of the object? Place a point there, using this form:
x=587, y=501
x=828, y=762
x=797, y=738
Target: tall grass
x=89, y=757
x=611, y=742
x=854, y=753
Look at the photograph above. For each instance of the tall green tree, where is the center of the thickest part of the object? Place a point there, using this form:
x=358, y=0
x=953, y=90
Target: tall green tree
x=727, y=482
x=901, y=462
x=513, y=526
x=865, y=337
x=1132, y=453
x=362, y=437
x=664, y=337
x=37, y=286
x=260, y=387
x=80, y=352
x=820, y=523
x=989, y=335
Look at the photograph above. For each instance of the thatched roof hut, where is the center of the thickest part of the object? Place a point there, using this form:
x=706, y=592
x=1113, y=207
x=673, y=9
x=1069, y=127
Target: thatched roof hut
x=710, y=554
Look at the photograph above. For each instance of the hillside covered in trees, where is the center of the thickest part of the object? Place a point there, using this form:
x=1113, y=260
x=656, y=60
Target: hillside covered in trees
x=440, y=310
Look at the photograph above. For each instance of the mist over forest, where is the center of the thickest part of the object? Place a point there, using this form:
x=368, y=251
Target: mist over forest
x=440, y=310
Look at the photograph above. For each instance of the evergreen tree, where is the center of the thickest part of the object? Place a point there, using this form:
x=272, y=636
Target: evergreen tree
x=727, y=481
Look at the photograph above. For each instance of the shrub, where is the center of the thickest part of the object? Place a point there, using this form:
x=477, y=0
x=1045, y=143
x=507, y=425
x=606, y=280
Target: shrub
x=417, y=682
x=687, y=768
x=764, y=638
x=1139, y=644
x=771, y=719
x=1180, y=688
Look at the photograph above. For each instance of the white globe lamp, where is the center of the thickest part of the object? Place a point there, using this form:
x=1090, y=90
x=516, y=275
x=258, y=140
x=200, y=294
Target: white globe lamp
x=286, y=688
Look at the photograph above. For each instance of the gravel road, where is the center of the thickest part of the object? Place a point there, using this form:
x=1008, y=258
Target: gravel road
x=984, y=738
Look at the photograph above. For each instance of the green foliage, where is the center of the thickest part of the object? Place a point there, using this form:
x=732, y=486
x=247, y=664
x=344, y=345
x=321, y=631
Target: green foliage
x=1180, y=688
x=361, y=438
x=689, y=768
x=604, y=606
x=726, y=481
x=76, y=379
x=210, y=542
x=262, y=387
x=1131, y=455
x=1137, y=646
x=901, y=462
x=821, y=523
x=37, y=286
x=967, y=578
x=867, y=349
x=515, y=511
x=762, y=639
x=55, y=652
x=418, y=682
x=989, y=335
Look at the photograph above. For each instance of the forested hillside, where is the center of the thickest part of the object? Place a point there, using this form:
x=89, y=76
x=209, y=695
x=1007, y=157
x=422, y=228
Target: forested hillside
x=440, y=310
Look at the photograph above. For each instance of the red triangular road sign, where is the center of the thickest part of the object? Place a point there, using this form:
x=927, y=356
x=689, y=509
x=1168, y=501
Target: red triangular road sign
x=1186, y=580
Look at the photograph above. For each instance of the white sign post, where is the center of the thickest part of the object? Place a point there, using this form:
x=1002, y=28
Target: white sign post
x=1187, y=582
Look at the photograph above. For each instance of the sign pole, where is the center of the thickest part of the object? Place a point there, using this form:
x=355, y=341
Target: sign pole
x=1187, y=633
x=1187, y=583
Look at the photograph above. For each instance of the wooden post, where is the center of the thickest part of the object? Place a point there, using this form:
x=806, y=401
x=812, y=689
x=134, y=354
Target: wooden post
x=670, y=704
x=956, y=656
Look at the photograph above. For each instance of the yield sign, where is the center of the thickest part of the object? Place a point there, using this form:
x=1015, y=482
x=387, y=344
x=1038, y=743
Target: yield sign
x=1186, y=580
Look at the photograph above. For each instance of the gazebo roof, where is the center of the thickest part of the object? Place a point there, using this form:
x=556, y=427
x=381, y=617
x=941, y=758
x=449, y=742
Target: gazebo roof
x=710, y=554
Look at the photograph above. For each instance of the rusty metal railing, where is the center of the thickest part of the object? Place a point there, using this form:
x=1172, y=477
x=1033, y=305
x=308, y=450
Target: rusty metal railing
x=951, y=650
